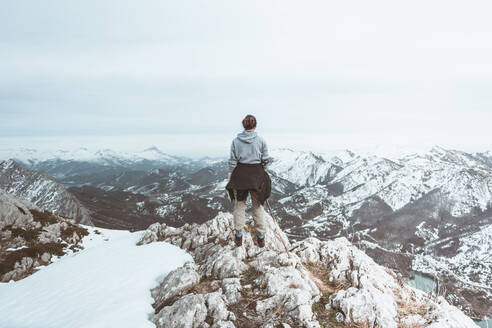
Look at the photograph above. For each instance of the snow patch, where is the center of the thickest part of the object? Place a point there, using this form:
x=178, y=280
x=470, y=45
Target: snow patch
x=105, y=285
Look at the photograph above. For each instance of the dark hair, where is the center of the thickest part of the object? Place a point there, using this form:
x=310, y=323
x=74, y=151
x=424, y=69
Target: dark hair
x=249, y=122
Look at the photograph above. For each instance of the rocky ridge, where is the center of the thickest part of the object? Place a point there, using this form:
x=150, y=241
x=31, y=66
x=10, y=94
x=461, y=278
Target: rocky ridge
x=42, y=190
x=30, y=237
x=310, y=283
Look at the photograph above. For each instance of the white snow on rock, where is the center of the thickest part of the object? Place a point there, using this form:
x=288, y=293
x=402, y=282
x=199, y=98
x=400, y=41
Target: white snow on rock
x=465, y=180
x=301, y=168
x=105, y=285
x=472, y=259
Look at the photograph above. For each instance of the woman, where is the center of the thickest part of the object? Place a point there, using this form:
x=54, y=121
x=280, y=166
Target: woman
x=249, y=155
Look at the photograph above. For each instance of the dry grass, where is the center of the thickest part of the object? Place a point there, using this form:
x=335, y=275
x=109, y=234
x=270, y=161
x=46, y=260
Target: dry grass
x=206, y=286
x=209, y=320
x=245, y=309
x=325, y=315
x=406, y=308
x=68, y=233
x=411, y=325
x=45, y=218
x=28, y=235
x=320, y=277
x=35, y=250
x=245, y=312
x=222, y=242
x=250, y=275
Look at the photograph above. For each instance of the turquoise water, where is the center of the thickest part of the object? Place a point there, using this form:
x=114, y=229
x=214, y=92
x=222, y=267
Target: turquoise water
x=427, y=285
x=422, y=282
x=483, y=324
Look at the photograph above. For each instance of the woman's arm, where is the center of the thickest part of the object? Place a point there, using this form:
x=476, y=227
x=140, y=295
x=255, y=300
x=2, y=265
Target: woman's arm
x=265, y=156
x=232, y=160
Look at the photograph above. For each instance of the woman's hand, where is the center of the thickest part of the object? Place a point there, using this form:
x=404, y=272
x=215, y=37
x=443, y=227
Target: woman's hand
x=229, y=176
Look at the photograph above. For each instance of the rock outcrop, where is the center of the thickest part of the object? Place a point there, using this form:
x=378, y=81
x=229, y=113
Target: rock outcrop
x=30, y=237
x=311, y=283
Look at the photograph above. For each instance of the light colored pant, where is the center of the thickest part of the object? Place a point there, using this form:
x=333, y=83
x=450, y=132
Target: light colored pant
x=240, y=215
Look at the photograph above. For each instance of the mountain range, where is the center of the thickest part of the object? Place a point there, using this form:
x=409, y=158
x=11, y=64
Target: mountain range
x=428, y=213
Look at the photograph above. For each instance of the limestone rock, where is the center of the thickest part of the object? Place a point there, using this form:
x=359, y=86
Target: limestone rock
x=178, y=282
x=316, y=283
x=232, y=289
x=46, y=257
x=24, y=228
x=217, y=308
x=152, y=234
x=188, y=311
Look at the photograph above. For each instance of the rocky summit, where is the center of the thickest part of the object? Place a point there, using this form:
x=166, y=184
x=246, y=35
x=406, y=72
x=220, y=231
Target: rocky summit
x=310, y=283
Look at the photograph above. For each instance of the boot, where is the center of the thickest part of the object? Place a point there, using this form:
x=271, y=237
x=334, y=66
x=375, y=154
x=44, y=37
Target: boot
x=238, y=239
x=260, y=238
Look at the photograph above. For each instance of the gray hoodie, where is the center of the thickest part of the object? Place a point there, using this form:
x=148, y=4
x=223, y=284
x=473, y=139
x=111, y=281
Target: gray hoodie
x=249, y=148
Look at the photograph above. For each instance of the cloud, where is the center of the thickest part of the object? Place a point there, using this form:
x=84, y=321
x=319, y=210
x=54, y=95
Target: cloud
x=353, y=68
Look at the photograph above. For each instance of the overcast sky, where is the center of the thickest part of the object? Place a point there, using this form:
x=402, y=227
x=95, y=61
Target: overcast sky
x=337, y=72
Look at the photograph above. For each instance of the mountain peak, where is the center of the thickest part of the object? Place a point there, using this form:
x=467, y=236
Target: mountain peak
x=153, y=148
x=438, y=149
x=9, y=163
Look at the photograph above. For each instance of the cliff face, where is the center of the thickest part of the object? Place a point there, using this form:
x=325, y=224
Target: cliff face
x=311, y=283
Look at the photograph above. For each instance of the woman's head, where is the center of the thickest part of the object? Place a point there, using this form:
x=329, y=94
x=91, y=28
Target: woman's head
x=249, y=122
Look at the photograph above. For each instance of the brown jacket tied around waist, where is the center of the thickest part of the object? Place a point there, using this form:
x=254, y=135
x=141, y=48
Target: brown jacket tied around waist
x=251, y=177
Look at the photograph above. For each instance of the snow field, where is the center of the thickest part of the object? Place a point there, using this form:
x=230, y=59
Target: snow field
x=105, y=285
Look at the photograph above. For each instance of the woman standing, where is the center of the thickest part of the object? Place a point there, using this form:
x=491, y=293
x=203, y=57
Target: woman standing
x=249, y=156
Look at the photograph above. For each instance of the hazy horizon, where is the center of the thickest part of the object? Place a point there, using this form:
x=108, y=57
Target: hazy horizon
x=218, y=145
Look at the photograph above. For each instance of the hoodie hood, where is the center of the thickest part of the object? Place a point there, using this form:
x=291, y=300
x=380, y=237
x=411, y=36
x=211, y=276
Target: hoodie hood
x=247, y=136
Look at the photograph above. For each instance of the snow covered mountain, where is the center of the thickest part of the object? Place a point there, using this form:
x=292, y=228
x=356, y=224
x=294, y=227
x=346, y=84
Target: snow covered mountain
x=465, y=180
x=303, y=168
x=82, y=154
x=485, y=157
x=82, y=161
x=41, y=190
x=420, y=212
